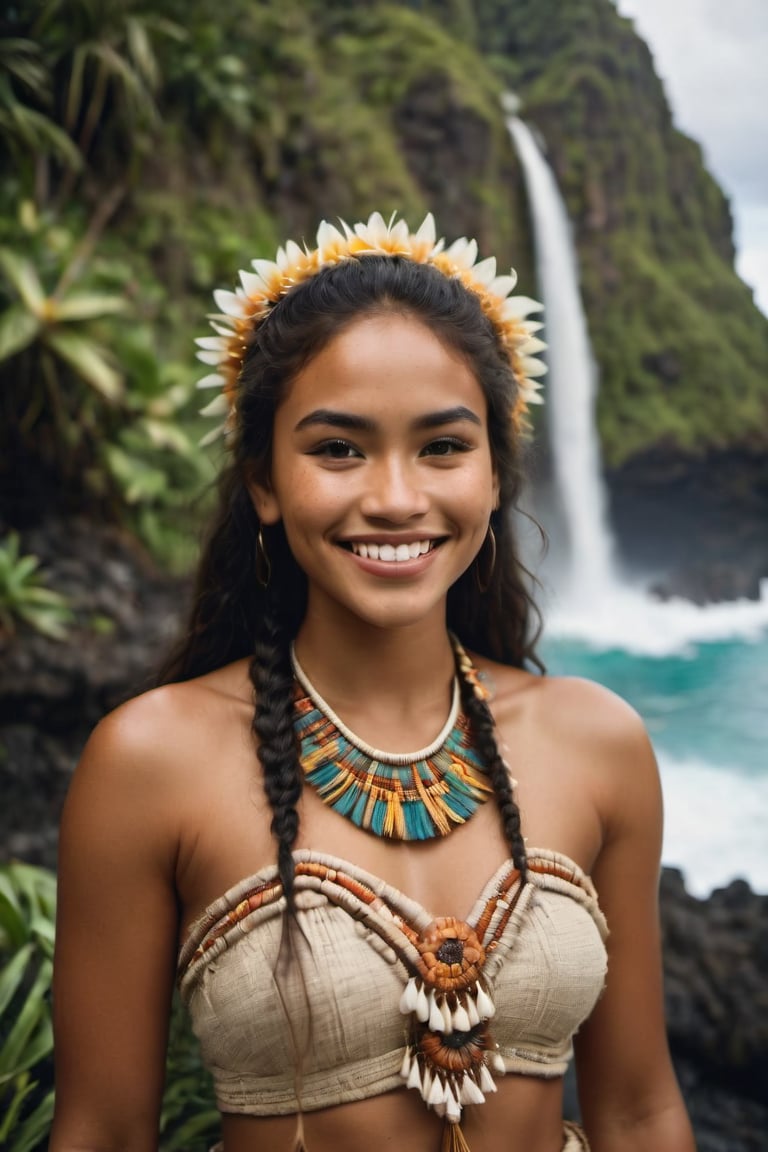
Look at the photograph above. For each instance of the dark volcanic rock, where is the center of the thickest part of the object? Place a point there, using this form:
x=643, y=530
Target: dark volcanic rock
x=696, y=526
x=715, y=961
x=52, y=693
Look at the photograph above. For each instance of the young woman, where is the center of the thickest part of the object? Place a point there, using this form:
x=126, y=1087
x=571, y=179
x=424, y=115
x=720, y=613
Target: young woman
x=379, y=947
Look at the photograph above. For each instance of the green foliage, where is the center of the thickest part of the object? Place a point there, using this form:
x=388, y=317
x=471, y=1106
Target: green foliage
x=27, y=910
x=189, y=1120
x=24, y=597
x=148, y=151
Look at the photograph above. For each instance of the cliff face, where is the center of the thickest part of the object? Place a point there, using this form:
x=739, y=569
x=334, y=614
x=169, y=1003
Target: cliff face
x=273, y=116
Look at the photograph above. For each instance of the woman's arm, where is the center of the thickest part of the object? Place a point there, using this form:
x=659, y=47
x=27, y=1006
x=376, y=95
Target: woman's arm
x=629, y=1095
x=116, y=937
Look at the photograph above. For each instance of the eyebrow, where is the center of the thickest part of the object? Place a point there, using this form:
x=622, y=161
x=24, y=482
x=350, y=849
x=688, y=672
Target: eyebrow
x=354, y=423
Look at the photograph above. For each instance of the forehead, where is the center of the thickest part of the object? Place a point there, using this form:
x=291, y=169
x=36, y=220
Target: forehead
x=391, y=362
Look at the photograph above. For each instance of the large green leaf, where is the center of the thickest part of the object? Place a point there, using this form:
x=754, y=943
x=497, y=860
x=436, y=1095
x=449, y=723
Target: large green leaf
x=18, y=329
x=33, y=1017
x=88, y=360
x=31, y=1134
x=88, y=306
x=24, y=278
x=13, y=926
x=12, y=975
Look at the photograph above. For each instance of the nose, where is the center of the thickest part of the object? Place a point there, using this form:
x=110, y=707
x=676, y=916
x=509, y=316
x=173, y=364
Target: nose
x=395, y=491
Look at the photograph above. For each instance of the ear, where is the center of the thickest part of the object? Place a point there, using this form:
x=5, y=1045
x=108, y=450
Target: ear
x=263, y=498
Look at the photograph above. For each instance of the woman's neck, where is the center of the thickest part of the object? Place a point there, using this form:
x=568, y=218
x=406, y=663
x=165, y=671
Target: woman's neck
x=380, y=677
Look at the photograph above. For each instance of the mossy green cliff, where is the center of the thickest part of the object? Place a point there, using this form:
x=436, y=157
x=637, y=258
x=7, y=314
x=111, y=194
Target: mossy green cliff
x=221, y=130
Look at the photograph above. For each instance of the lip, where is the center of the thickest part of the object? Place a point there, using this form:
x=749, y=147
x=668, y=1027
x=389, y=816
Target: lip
x=389, y=538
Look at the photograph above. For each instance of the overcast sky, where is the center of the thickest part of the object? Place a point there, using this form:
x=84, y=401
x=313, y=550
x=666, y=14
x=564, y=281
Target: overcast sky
x=712, y=57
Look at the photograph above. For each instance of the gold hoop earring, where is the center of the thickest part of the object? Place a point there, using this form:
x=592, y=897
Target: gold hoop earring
x=263, y=564
x=484, y=582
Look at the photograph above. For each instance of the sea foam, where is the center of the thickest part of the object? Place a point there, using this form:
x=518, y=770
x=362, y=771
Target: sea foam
x=715, y=824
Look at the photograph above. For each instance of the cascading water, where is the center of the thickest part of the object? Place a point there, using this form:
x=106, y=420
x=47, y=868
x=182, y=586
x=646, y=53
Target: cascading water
x=586, y=568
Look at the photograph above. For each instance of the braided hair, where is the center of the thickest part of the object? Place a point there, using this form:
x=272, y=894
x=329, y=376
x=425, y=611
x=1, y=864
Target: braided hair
x=234, y=617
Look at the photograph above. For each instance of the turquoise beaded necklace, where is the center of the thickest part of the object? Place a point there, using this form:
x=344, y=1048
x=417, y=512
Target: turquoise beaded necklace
x=399, y=796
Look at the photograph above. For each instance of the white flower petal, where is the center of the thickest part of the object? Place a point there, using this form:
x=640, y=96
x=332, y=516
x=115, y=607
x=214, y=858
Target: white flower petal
x=400, y=234
x=213, y=435
x=328, y=237
x=213, y=358
x=212, y=380
x=267, y=270
x=532, y=367
x=229, y=303
x=531, y=346
x=219, y=406
x=253, y=284
x=503, y=285
x=518, y=307
x=485, y=271
x=222, y=325
x=463, y=252
x=219, y=343
x=426, y=232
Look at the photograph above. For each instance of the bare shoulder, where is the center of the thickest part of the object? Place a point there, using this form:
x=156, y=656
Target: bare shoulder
x=169, y=725
x=146, y=769
x=576, y=732
x=571, y=705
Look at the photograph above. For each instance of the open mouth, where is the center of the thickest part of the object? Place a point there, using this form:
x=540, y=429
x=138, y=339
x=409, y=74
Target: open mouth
x=390, y=553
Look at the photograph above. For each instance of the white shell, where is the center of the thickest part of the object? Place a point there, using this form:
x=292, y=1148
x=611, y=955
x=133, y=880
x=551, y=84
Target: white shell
x=436, y=1021
x=408, y=998
x=452, y=1109
x=472, y=1012
x=414, y=1076
x=486, y=1080
x=496, y=1061
x=461, y=1019
x=446, y=1014
x=436, y=1093
x=422, y=1005
x=485, y=1005
x=470, y=1092
x=405, y=1067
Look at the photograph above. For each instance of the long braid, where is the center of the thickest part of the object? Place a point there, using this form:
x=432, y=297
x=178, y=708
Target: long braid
x=484, y=730
x=272, y=678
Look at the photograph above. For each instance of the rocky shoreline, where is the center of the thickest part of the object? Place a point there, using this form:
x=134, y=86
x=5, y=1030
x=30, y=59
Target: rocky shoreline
x=52, y=694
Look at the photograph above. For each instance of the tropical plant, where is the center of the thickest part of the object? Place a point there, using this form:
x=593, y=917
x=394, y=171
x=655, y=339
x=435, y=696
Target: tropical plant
x=28, y=133
x=189, y=1120
x=27, y=914
x=23, y=595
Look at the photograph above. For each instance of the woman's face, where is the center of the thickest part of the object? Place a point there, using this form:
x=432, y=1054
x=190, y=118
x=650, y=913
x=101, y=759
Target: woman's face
x=381, y=472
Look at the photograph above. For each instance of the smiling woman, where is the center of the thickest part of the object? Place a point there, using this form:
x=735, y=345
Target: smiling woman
x=314, y=819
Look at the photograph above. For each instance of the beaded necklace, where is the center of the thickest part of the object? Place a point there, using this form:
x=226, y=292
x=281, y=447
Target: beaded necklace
x=399, y=796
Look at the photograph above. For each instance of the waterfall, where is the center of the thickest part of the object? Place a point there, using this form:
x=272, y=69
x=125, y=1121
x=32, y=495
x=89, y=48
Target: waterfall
x=585, y=568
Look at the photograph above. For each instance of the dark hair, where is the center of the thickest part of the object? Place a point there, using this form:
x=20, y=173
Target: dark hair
x=233, y=616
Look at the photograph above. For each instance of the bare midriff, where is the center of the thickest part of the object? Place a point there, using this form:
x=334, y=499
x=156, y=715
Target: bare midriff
x=525, y=1115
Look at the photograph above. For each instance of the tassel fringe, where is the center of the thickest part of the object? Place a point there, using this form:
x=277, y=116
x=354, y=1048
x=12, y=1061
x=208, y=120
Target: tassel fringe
x=453, y=1139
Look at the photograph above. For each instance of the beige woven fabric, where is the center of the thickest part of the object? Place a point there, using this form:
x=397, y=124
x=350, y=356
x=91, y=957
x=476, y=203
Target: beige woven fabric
x=545, y=973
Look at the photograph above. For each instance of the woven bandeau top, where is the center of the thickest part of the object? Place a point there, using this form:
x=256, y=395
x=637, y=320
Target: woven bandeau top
x=545, y=968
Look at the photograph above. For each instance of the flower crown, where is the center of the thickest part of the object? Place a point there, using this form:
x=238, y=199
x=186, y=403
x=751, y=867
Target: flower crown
x=244, y=309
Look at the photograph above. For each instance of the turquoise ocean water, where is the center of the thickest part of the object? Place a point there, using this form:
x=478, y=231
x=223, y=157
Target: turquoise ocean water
x=699, y=678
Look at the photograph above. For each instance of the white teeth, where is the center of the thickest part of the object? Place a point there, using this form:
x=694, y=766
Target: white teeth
x=391, y=553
